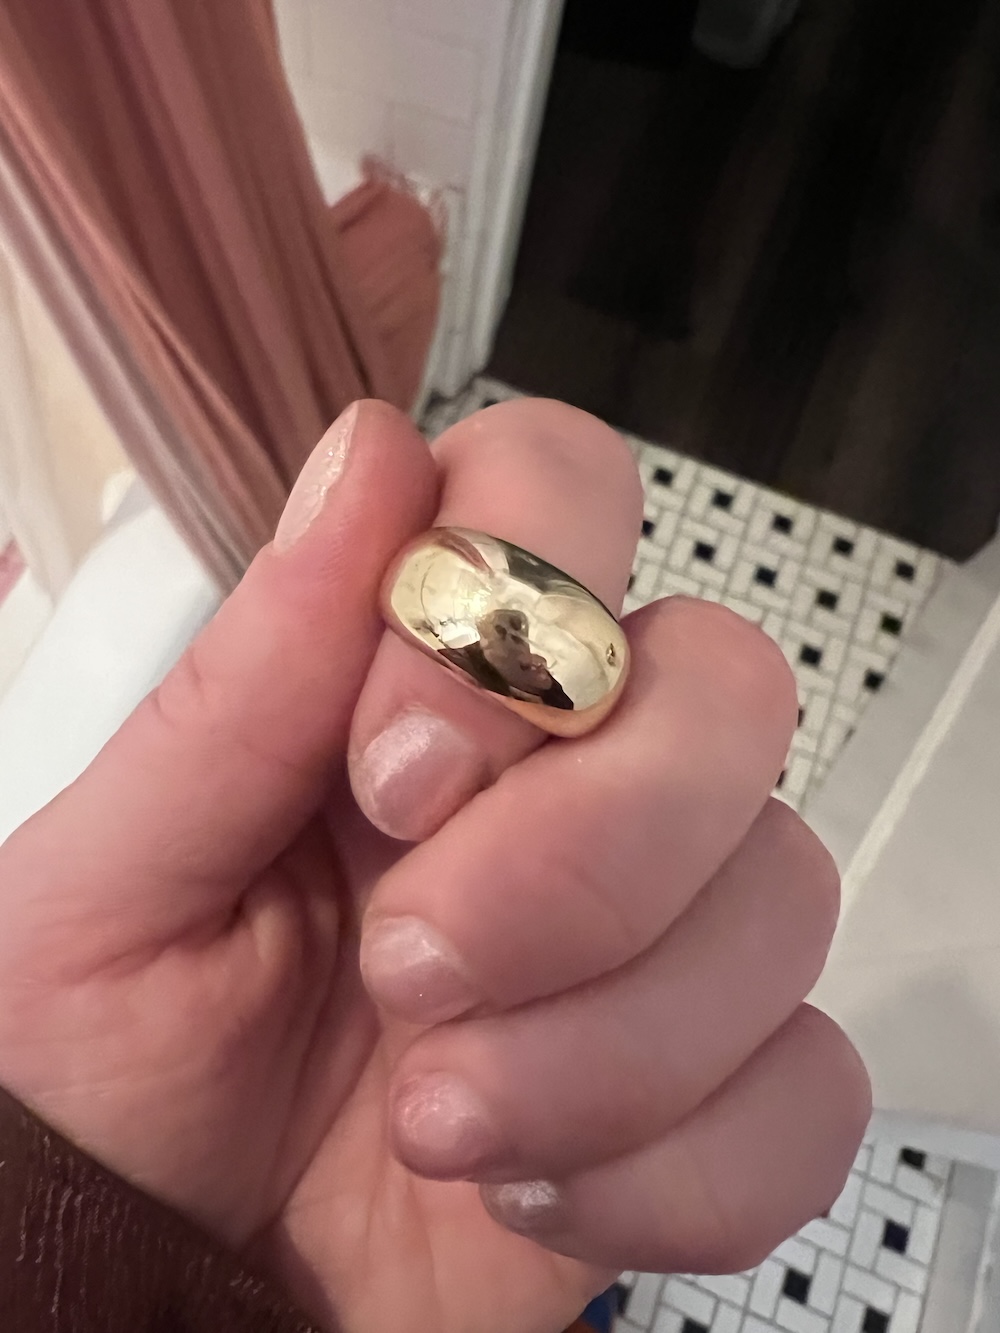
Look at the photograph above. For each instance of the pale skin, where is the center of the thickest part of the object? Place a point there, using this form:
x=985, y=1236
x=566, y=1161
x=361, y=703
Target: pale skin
x=596, y=1055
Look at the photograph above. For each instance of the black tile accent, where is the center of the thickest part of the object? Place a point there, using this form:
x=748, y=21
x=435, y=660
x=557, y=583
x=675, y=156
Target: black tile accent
x=722, y=500
x=781, y=779
x=490, y=402
x=874, y=680
x=631, y=580
x=703, y=551
x=802, y=717
x=827, y=599
x=782, y=523
x=796, y=1285
x=692, y=1326
x=905, y=570
x=895, y=1237
x=621, y=1293
x=843, y=546
x=913, y=1157
x=766, y=576
x=892, y=624
x=663, y=476
x=648, y=527
x=809, y=655
x=875, y=1321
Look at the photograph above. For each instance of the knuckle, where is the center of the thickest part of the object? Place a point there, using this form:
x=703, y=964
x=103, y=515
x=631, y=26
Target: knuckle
x=199, y=708
x=596, y=916
x=847, y=1078
x=744, y=661
x=715, y=1240
x=812, y=870
x=560, y=443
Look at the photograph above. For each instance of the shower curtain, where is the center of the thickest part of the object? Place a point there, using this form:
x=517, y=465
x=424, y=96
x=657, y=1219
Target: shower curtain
x=157, y=186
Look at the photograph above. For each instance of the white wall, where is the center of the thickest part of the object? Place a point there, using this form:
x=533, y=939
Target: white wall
x=449, y=93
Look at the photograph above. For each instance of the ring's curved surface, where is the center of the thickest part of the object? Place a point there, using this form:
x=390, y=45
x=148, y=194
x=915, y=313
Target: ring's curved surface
x=511, y=624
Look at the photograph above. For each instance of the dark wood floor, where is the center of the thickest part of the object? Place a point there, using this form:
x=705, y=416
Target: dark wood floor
x=793, y=271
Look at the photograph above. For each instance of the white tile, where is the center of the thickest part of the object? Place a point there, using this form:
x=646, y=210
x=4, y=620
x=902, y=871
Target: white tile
x=644, y=1298
x=292, y=21
x=923, y=1234
x=731, y=1287
x=904, y=1272
x=692, y=1301
x=753, y=1325
x=827, y=1235
x=429, y=147
x=874, y=1291
x=907, y=1314
x=626, y=1326
x=668, y=1321
x=848, y=1315
x=826, y=1284
x=867, y=1240
x=797, y=1253
x=938, y=1167
x=798, y=1318
x=766, y=1288
x=727, y=1319
x=350, y=50
x=889, y=1203
x=459, y=21
x=884, y=1160
x=924, y=1188
x=845, y=1210
x=427, y=72
x=343, y=123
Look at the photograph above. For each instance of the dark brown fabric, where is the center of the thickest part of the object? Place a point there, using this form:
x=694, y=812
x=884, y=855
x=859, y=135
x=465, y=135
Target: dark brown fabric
x=82, y=1251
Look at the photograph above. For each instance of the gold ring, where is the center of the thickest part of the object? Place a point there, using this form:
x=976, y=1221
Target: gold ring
x=510, y=624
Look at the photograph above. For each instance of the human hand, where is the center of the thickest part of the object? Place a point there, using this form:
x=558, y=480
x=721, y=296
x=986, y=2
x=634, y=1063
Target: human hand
x=597, y=1038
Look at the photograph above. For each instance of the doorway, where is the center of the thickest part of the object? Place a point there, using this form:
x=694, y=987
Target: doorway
x=790, y=270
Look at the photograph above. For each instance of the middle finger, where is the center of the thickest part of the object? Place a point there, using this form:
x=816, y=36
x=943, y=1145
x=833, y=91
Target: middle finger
x=548, y=478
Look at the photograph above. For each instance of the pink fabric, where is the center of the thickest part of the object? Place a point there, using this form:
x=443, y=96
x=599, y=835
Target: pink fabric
x=11, y=569
x=161, y=149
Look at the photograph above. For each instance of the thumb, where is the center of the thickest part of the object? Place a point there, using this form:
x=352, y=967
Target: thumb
x=221, y=765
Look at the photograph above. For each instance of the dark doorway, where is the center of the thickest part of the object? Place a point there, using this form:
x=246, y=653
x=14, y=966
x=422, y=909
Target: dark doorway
x=790, y=270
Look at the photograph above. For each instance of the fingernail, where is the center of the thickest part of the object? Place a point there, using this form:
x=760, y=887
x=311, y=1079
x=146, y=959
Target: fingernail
x=442, y=1129
x=414, y=972
x=529, y=1207
x=322, y=468
x=415, y=774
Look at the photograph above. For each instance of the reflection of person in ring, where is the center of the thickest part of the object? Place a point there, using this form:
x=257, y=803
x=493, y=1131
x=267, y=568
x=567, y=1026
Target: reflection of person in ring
x=502, y=660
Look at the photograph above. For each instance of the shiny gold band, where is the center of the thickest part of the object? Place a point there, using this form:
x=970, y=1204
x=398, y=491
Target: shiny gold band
x=510, y=624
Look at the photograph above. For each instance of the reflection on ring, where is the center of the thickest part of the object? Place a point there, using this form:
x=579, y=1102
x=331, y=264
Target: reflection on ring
x=502, y=661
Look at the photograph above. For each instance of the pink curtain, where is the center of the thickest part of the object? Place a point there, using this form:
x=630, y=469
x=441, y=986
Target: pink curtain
x=157, y=148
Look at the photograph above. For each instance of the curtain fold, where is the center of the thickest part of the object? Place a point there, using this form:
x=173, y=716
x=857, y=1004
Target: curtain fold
x=58, y=452
x=155, y=150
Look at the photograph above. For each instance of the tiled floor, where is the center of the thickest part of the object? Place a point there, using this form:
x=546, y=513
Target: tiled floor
x=838, y=598
x=862, y=1269
x=835, y=595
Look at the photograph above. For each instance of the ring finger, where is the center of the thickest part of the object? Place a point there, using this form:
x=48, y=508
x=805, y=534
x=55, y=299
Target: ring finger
x=600, y=1069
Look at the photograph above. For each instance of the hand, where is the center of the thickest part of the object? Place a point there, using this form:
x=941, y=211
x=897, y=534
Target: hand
x=587, y=975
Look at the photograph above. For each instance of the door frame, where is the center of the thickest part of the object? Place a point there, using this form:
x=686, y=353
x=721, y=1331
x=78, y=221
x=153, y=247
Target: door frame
x=486, y=221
